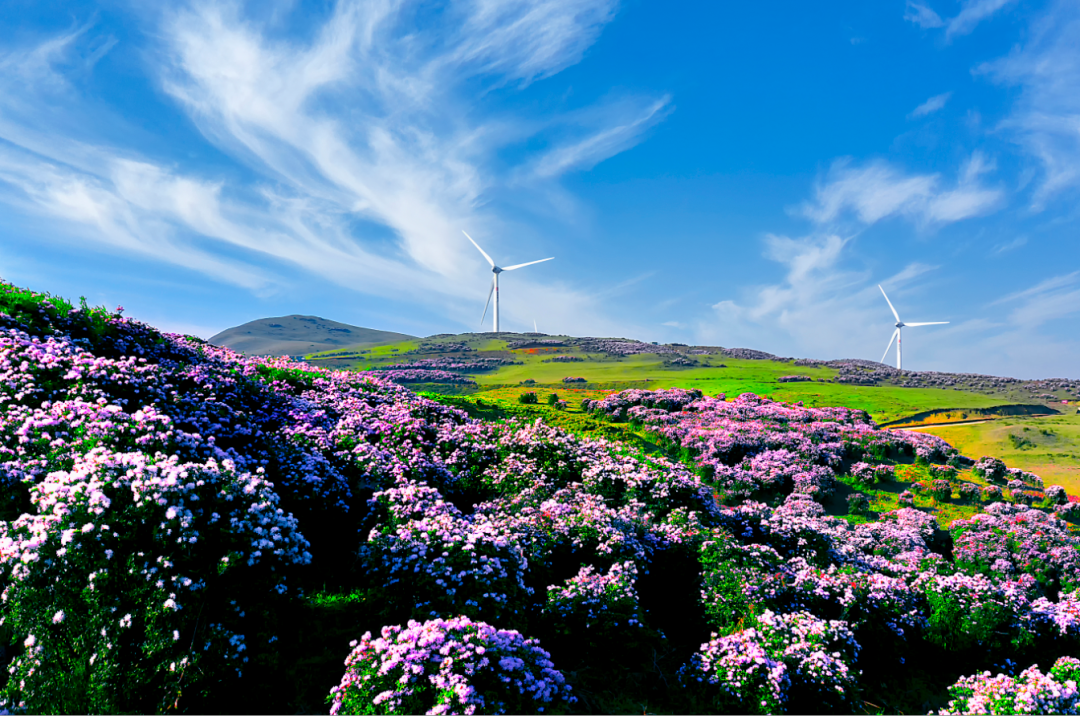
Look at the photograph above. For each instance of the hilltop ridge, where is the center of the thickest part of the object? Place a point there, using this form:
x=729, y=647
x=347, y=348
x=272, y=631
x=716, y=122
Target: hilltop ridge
x=299, y=335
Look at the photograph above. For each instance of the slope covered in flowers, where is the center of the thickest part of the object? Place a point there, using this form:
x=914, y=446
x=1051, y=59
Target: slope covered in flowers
x=182, y=527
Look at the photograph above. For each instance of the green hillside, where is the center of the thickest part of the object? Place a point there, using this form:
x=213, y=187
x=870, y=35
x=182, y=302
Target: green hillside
x=712, y=370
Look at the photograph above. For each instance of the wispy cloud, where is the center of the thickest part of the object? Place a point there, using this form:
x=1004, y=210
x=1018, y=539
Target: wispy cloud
x=877, y=190
x=922, y=15
x=1046, y=118
x=372, y=125
x=931, y=105
x=823, y=305
x=1050, y=300
x=972, y=12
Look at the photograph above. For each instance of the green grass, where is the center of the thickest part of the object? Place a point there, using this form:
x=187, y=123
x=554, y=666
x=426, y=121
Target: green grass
x=1048, y=447
x=716, y=374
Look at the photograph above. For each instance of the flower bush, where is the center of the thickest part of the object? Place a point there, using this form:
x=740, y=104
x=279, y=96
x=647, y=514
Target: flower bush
x=940, y=490
x=1031, y=692
x=990, y=469
x=1055, y=495
x=789, y=661
x=448, y=666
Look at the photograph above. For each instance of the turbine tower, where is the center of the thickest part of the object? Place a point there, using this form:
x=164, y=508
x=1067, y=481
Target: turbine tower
x=896, y=334
x=495, y=280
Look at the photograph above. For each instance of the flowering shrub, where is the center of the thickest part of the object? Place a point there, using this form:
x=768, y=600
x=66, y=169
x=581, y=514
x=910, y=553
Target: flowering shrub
x=1032, y=692
x=1069, y=511
x=992, y=493
x=448, y=666
x=454, y=365
x=574, y=379
x=431, y=555
x=940, y=490
x=969, y=492
x=969, y=611
x=943, y=472
x=422, y=375
x=990, y=469
x=1007, y=540
x=119, y=548
x=787, y=661
x=1055, y=495
x=864, y=473
x=867, y=474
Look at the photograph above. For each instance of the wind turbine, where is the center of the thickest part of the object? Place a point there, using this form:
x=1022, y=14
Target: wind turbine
x=896, y=334
x=495, y=281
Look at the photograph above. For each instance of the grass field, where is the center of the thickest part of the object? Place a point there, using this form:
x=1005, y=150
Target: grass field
x=1048, y=447
x=714, y=374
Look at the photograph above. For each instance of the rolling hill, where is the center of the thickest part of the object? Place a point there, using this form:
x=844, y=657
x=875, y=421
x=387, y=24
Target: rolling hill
x=299, y=335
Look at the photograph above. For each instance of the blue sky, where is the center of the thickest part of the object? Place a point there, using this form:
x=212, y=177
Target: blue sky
x=736, y=174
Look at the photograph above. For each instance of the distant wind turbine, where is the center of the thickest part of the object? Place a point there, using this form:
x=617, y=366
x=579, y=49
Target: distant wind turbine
x=534, y=324
x=495, y=281
x=896, y=334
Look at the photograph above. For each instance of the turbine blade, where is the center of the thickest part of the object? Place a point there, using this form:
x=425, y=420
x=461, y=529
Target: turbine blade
x=488, y=257
x=488, y=299
x=932, y=323
x=894, y=335
x=886, y=301
x=517, y=266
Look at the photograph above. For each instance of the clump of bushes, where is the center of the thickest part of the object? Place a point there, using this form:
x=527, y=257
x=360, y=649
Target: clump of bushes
x=528, y=398
x=448, y=666
x=990, y=469
x=969, y=492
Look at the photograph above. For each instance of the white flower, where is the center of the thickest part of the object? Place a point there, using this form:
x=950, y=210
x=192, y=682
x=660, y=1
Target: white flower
x=58, y=617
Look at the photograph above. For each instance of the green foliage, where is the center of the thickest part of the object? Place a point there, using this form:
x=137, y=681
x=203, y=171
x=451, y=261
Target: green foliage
x=295, y=377
x=528, y=398
x=959, y=623
x=552, y=398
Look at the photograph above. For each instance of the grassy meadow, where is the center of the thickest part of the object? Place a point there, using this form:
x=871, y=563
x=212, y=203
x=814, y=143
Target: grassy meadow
x=714, y=374
x=1047, y=446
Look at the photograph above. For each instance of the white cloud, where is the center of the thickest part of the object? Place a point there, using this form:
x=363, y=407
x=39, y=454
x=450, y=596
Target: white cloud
x=371, y=124
x=877, y=191
x=931, y=105
x=922, y=15
x=1045, y=119
x=825, y=308
x=972, y=12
